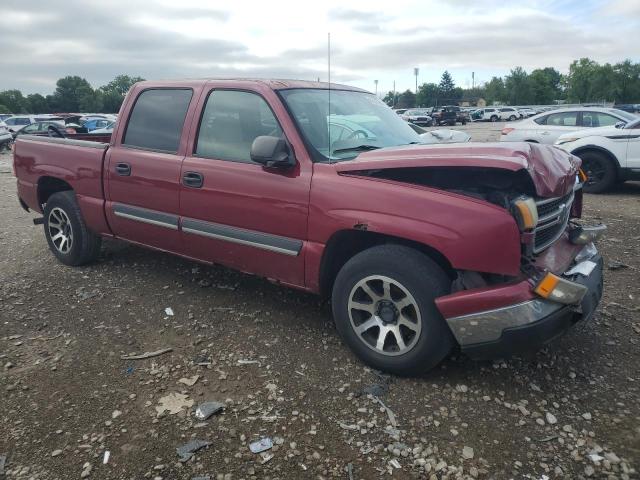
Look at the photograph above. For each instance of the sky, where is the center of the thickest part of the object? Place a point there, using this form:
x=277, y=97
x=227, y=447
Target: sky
x=42, y=41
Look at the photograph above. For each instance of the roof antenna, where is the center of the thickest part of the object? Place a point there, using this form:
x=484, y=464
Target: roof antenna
x=329, y=81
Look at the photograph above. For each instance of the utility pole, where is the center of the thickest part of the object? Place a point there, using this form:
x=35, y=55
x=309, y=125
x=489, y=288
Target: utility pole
x=473, y=80
x=393, y=101
x=415, y=72
x=376, y=83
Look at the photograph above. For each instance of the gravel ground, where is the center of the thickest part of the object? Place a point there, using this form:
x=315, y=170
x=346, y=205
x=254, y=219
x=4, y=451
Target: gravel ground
x=273, y=357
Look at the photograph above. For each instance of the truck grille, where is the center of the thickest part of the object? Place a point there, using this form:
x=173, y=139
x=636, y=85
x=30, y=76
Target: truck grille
x=553, y=216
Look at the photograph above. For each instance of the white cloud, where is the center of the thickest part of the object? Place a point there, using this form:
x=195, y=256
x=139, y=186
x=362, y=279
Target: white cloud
x=370, y=40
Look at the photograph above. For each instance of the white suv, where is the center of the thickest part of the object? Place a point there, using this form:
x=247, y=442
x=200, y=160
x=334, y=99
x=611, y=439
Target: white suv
x=609, y=154
x=5, y=135
x=494, y=114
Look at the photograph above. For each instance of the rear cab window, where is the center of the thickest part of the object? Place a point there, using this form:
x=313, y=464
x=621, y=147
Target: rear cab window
x=157, y=119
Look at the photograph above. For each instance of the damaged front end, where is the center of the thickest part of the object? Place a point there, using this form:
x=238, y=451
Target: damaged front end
x=560, y=279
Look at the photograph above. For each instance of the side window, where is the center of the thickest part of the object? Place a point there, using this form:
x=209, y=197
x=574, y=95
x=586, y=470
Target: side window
x=30, y=128
x=23, y=121
x=157, y=119
x=542, y=120
x=563, y=119
x=230, y=123
x=606, y=120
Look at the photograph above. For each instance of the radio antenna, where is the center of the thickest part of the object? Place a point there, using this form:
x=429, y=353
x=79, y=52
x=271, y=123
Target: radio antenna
x=329, y=90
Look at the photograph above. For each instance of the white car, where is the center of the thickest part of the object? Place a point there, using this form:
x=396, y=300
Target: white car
x=418, y=116
x=445, y=135
x=18, y=122
x=5, y=135
x=609, y=154
x=527, y=112
x=548, y=126
x=106, y=129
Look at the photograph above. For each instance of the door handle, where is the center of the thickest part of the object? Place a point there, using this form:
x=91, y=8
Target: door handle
x=544, y=133
x=193, y=179
x=123, y=169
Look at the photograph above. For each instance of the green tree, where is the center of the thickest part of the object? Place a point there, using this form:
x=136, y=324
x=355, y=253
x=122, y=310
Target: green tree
x=428, y=94
x=545, y=85
x=115, y=91
x=4, y=109
x=517, y=87
x=495, y=91
x=37, y=103
x=72, y=92
x=14, y=101
x=446, y=84
x=580, y=80
x=406, y=99
x=391, y=98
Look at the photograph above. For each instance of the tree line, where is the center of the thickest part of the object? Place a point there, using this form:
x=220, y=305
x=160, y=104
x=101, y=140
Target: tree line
x=72, y=94
x=587, y=81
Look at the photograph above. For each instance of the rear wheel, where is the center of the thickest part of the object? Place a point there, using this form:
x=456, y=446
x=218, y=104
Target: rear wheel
x=67, y=234
x=600, y=170
x=494, y=118
x=512, y=118
x=383, y=305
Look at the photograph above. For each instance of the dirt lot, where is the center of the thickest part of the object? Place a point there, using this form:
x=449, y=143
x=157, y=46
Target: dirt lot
x=272, y=355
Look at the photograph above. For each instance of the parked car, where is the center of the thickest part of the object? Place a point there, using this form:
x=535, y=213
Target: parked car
x=548, y=126
x=400, y=111
x=4, y=116
x=609, y=155
x=418, y=116
x=17, y=122
x=92, y=124
x=629, y=107
x=422, y=248
x=107, y=129
x=509, y=113
x=486, y=114
x=5, y=135
x=39, y=128
x=527, y=112
x=448, y=115
x=445, y=135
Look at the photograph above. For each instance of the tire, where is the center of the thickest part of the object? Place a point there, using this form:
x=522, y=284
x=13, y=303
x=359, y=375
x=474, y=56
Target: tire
x=414, y=279
x=76, y=245
x=494, y=118
x=512, y=118
x=601, y=172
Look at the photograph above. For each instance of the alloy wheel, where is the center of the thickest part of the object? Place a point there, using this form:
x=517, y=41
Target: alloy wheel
x=60, y=230
x=384, y=315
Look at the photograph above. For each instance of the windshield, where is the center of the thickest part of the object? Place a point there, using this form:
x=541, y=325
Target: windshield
x=626, y=115
x=352, y=123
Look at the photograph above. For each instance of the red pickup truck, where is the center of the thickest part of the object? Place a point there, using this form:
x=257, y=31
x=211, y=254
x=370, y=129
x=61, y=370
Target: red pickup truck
x=422, y=249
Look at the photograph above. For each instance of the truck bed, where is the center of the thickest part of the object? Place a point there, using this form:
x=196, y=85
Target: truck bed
x=42, y=162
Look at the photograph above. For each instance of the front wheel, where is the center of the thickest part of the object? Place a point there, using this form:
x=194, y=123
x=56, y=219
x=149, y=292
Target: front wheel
x=383, y=306
x=512, y=118
x=67, y=234
x=600, y=170
x=494, y=118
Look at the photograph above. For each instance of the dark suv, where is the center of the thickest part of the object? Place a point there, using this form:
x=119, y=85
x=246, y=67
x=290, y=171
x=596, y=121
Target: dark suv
x=449, y=115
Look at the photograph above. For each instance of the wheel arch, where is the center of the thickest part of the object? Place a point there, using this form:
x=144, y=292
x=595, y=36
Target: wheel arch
x=344, y=244
x=48, y=185
x=597, y=149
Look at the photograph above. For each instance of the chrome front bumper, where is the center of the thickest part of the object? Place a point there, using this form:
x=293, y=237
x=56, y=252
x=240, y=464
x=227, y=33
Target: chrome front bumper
x=489, y=326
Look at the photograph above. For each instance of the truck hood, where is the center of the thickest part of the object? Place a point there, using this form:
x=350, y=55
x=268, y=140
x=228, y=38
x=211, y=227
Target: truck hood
x=553, y=171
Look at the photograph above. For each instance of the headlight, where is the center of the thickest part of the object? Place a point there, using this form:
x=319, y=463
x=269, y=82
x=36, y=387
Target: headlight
x=562, y=141
x=525, y=212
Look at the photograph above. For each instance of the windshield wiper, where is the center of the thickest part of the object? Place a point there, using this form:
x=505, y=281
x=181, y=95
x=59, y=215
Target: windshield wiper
x=357, y=148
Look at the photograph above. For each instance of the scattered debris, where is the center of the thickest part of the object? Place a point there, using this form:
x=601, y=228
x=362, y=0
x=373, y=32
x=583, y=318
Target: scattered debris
x=105, y=459
x=3, y=462
x=173, y=403
x=86, y=470
x=248, y=362
x=548, y=439
x=189, y=382
x=115, y=414
x=551, y=419
x=261, y=445
x=186, y=451
x=168, y=311
x=266, y=457
x=206, y=409
x=375, y=389
x=390, y=414
x=350, y=471
x=615, y=265
x=395, y=463
x=56, y=453
x=147, y=354
x=205, y=477
x=467, y=453
x=595, y=458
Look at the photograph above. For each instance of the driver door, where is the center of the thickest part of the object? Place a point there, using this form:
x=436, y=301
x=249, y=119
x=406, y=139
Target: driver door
x=234, y=211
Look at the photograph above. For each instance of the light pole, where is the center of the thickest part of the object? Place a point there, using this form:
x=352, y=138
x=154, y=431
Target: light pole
x=376, y=83
x=416, y=70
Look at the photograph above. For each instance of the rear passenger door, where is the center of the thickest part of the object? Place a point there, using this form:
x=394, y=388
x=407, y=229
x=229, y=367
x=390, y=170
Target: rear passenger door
x=234, y=211
x=556, y=124
x=143, y=169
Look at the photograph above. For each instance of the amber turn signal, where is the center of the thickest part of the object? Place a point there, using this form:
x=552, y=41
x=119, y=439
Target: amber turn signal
x=526, y=213
x=560, y=289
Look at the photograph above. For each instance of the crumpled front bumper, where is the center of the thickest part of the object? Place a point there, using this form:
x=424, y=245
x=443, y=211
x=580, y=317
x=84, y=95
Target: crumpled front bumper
x=527, y=325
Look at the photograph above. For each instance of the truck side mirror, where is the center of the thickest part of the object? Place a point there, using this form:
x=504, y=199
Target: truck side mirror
x=272, y=152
